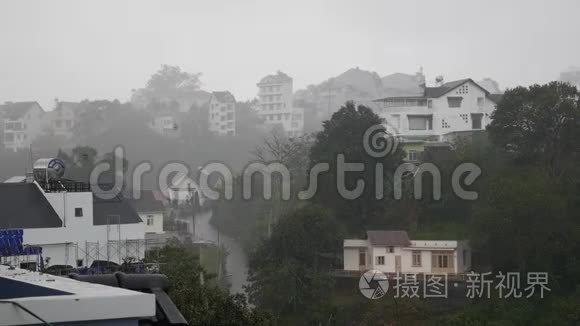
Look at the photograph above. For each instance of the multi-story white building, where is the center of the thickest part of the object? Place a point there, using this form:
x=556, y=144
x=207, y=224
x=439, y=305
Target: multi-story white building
x=22, y=123
x=222, y=113
x=275, y=104
x=437, y=113
x=394, y=252
x=70, y=223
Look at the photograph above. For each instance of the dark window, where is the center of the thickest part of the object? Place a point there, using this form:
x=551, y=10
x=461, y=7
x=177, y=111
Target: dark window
x=420, y=122
x=476, y=121
x=78, y=212
x=79, y=263
x=391, y=250
x=454, y=102
x=31, y=266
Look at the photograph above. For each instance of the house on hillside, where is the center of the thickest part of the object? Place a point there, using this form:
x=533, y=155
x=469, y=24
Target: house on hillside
x=71, y=224
x=436, y=113
x=166, y=124
x=275, y=104
x=64, y=117
x=222, y=113
x=21, y=122
x=394, y=252
x=151, y=209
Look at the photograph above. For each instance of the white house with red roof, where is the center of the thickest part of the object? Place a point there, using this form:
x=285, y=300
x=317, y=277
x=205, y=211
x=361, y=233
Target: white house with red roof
x=394, y=252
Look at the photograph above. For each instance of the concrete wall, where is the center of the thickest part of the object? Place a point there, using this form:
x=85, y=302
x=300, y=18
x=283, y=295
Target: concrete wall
x=424, y=247
x=156, y=219
x=351, y=259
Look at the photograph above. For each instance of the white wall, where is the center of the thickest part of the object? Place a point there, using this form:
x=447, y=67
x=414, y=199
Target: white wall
x=351, y=259
x=157, y=220
x=77, y=231
x=425, y=247
x=440, y=111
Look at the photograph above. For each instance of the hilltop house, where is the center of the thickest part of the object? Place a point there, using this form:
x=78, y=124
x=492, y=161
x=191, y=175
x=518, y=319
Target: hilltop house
x=22, y=122
x=435, y=114
x=394, y=252
x=222, y=113
x=64, y=117
x=275, y=104
x=70, y=224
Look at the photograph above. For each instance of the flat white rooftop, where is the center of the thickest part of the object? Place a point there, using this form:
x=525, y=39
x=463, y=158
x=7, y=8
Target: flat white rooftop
x=59, y=299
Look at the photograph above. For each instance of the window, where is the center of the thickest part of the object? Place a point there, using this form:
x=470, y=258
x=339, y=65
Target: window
x=78, y=212
x=9, y=137
x=390, y=250
x=396, y=121
x=420, y=122
x=454, y=101
x=79, y=263
x=464, y=89
x=380, y=260
x=480, y=102
x=414, y=155
x=464, y=257
x=442, y=260
x=416, y=259
x=430, y=104
x=476, y=121
x=362, y=257
x=150, y=220
x=31, y=266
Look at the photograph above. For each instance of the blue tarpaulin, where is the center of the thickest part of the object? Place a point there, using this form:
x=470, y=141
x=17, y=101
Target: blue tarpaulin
x=11, y=244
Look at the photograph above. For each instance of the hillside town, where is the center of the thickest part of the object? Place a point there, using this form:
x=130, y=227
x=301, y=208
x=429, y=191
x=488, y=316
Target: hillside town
x=289, y=163
x=428, y=109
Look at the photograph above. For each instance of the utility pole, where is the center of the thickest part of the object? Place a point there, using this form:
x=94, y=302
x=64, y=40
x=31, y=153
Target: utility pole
x=191, y=197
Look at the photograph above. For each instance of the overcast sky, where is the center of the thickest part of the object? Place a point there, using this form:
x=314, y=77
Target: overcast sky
x=74, y=50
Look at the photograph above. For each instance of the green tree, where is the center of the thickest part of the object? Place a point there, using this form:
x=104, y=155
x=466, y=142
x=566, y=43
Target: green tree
x=170, y=81
x=539, y=124
x=344, y=134
x=203, y=304
x=289, y=271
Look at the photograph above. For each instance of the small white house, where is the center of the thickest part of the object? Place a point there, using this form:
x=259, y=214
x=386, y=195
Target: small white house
x=394, y=252
x=150, y=209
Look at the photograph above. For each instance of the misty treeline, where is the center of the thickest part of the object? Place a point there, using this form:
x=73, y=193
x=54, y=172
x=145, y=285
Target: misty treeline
x=525, y=219
x=102, y=125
